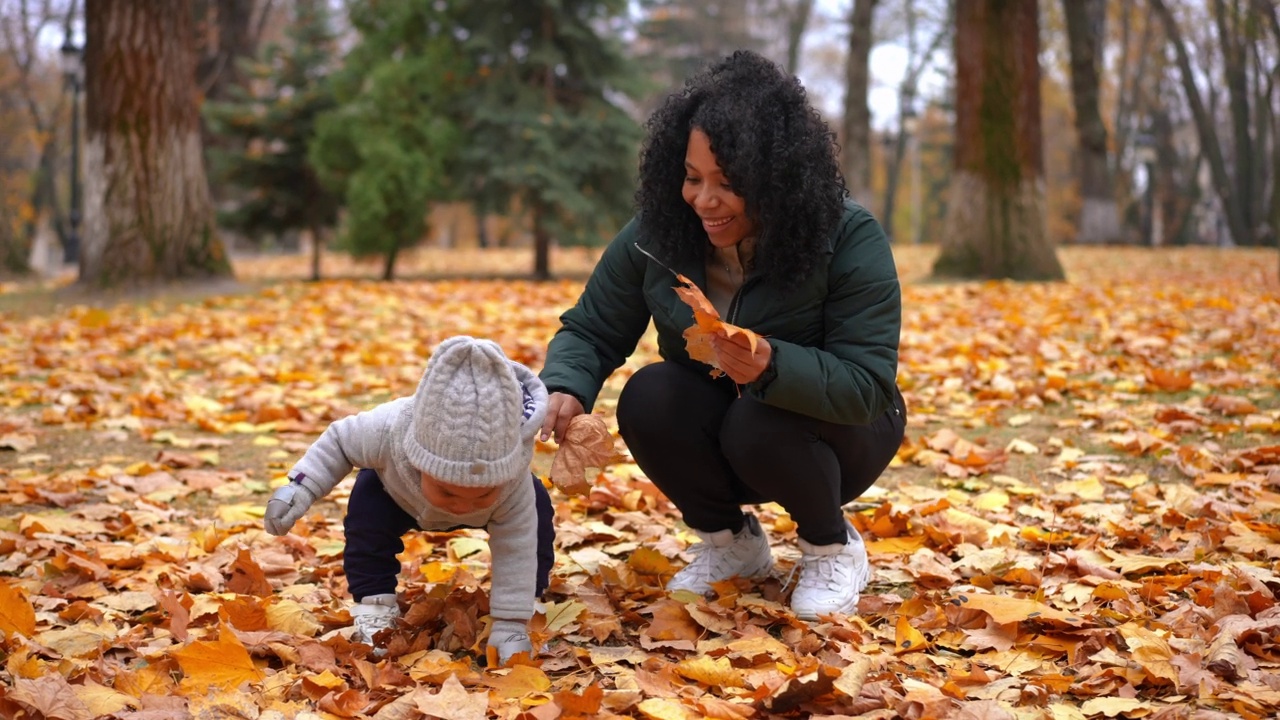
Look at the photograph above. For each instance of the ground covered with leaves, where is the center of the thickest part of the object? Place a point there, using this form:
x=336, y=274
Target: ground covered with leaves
x=1083, y=522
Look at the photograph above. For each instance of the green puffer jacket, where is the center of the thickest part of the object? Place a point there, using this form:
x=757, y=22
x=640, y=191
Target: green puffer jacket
x=834, y=337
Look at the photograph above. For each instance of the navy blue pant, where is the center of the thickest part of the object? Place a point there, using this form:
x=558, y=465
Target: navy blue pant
x=710, y=452
x=375, y=524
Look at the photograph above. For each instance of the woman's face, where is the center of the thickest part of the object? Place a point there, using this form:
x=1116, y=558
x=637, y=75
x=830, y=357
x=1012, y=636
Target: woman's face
x=707, y=190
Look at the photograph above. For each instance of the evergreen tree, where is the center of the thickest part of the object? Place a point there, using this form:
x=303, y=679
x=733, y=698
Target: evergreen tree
x=280, y=189
x=677, y=38
x=388, y=146
x=544, y=124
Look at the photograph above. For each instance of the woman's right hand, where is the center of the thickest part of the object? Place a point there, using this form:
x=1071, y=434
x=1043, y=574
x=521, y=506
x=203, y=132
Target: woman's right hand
x=561, y=408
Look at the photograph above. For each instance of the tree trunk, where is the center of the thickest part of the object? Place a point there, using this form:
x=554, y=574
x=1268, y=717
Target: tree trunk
x=541, y=244
x=1099, y=213
x=317, y=243
x=389, y=268
x=15, y=248
x=997, y=196
x=148, y=215
x=855, y=154
x=1206, y=128
x=797, y=23
x=1234, y=44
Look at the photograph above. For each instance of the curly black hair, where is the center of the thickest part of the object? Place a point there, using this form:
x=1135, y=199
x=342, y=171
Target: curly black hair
x=775, y=150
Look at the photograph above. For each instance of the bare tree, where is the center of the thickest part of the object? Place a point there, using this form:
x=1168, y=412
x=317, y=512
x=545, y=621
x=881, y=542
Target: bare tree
x=1099, y=211
x=919, y=59
x=996, y=207
x=855, y=151
x=1233, y=176
x=21, y=24
x=148, y=210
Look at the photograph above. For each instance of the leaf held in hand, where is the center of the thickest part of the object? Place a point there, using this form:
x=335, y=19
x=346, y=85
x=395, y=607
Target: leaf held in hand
x=587, y=443
x=707, y=325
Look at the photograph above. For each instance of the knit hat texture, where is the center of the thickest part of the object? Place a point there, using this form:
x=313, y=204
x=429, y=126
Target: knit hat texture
x=466, y=420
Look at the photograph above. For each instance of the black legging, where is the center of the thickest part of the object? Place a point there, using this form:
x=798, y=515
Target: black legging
x=374, y=524
x=711, y=452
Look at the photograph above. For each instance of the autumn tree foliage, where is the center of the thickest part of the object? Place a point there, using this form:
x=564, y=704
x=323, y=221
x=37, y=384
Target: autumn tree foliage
x=280, y=190
x=996, y=208
x=148, y=213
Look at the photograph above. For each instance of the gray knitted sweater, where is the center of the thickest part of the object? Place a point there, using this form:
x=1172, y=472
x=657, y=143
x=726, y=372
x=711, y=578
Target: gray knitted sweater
x=374, y=439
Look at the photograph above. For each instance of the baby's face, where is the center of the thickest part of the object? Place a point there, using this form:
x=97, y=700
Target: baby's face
x=455, y=499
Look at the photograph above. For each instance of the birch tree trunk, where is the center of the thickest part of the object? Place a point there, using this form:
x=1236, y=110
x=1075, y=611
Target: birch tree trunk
x=1099, y=211
x=997, y=196
x=148, y=214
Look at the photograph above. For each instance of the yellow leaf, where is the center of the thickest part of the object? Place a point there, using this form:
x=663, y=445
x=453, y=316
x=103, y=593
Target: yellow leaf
x=647, y=561
x=463, y=547
x=243, y=512
x=521, y=682
x=716, y=672
x=906, y=638
x=438, y=572
x=1004, y=609
x=559, y=615
x=1113, y=706
x=666, y=709
x=222, y=663
x=17, y=614
x=1151, y=651
x=287, y=616
x=453, y=702
x=853, y=676
x=103, y=700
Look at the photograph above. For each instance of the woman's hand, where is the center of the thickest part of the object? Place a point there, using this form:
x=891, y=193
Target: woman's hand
x=736, y=359
x=561, y=408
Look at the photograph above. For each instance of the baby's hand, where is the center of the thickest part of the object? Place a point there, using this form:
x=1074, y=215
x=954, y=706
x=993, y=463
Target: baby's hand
x=509, y=638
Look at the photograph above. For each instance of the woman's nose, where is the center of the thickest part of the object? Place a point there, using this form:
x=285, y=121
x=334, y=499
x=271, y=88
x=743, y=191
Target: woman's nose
x=707, y=197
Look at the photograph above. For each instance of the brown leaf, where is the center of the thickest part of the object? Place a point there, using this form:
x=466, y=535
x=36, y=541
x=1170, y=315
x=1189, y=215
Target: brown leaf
x=587, y=443
x=453, y=702
x=247, y=578
x=706, y=325
x=51, y=696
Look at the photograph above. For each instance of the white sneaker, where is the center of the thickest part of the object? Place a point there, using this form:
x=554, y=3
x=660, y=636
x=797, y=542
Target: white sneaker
x=831, y=577
x=722, y=555
x=373, y=613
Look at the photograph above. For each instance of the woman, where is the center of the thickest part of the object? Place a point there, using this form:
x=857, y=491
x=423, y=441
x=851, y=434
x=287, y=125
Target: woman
x=741, y=192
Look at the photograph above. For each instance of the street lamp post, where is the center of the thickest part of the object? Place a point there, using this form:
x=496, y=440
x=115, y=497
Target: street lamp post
x=73, y=72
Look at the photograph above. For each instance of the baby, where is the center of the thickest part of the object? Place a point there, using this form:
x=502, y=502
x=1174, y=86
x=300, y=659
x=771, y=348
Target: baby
x=455, y=454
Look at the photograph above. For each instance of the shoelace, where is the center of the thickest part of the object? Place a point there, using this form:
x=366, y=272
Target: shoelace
x=827, y=569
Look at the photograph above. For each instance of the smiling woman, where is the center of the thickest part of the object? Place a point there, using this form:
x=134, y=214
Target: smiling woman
x=741, y=193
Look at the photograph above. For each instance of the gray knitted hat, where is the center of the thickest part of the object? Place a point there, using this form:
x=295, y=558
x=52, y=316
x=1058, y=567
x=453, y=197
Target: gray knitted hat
x=466, y=427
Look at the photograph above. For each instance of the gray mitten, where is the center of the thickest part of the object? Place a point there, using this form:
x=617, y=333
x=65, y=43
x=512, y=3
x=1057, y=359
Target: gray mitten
x=287, y=504
x=510, y=637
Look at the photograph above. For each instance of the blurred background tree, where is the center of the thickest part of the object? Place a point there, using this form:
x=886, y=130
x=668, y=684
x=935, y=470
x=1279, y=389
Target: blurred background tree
x=1158, y=120
x=269, y=121
x=388, y=145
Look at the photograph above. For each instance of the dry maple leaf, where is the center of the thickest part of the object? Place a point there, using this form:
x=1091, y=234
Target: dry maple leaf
x=707, y=325
x=453, y=702
x=221, y=663
x=587, y=443
x=16, y=612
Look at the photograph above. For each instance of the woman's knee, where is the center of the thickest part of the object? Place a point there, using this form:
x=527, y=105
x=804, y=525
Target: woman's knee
x=752, y=431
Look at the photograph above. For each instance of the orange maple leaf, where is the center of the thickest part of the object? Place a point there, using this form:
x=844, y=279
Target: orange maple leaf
x=707, y=325
x=223, y=663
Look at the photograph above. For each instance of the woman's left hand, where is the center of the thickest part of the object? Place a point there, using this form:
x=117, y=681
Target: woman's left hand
x=736, y=359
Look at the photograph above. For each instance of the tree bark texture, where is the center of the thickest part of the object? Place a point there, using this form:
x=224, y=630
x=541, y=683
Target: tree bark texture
x=148, y=214
x=997, y=197
x=855, y=151
x=1099, y=220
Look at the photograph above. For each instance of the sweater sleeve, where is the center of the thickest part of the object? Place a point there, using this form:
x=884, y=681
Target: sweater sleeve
x=513, y=547
x=361, y=440
x=850, y=380
x=602, y=329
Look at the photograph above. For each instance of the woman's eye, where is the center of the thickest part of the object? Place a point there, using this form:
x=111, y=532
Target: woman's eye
x=690, y=180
